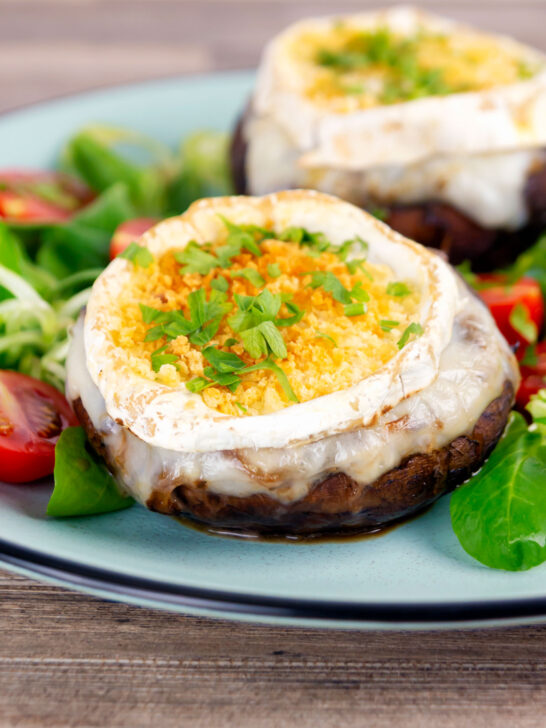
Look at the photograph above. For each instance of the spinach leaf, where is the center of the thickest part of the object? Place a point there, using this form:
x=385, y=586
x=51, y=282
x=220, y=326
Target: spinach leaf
x=83, y=485
x=84, y=241
x=499, y=517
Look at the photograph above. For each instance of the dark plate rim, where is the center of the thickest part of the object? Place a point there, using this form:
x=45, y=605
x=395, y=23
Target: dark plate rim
x=82, y=577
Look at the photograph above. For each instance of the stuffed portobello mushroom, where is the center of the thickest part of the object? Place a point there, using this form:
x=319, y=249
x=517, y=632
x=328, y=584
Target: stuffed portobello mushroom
x=438, y=127
x=287, y=364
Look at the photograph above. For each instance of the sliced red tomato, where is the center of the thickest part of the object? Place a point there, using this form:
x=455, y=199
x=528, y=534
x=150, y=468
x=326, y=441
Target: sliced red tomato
x=533, y=373
x=32, y=416
x=127, y=232
x=40, y=197
x=514, y=307
x=530, y=385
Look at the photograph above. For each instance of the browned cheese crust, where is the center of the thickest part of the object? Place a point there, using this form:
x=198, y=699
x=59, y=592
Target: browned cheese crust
x=336, y=501
x=440, y=225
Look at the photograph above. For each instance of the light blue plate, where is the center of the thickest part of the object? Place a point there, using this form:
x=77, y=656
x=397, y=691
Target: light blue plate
x=414, y=576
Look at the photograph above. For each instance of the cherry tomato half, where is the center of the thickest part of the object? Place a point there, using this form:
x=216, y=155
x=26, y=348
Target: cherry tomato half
x=533, y=373
x=32, y=416
x=502, y=298
x=127, y=232
x=40, y=197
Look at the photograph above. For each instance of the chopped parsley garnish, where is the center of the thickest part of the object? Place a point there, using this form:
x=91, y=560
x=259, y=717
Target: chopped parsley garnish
x=159, y=358
x=262, y=339
x=404, y=77
x=196, y=260
x=223, y=361
x=396, y=288
x=220, y=284
x=226, y=370
x=354, y=301
x=331, y=284
x=386, y=325
x=274, y=270
x=240, y=237
x=413, y=328
x=257, y=321
x=200, y=328
x=316, y=242
x=230, y=342
x=249, y=274
x=138, y=255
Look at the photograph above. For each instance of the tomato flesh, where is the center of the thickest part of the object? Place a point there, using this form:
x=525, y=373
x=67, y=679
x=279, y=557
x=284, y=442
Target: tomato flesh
x=502, y=298
x=40, y=197
x=127, y=232
x=533, y=376
x=32, y=416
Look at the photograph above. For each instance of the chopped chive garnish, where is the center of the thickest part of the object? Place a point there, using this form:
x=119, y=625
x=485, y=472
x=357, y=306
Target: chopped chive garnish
x=355, y=309
x=386, y=325
x=396, y=288
x=413, y=328
x=241, y=407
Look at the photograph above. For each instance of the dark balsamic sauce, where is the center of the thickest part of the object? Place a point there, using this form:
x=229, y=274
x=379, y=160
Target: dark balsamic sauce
x=335, y=536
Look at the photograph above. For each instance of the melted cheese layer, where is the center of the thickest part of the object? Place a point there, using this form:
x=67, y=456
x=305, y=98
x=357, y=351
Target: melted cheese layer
x=472, y=370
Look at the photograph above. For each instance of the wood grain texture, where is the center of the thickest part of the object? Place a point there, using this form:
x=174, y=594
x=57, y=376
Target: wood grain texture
x=52, y=47
x=68, y=660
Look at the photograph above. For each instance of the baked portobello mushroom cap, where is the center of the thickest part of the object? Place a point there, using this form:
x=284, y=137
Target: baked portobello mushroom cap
x=376, y=447
x=336, y=502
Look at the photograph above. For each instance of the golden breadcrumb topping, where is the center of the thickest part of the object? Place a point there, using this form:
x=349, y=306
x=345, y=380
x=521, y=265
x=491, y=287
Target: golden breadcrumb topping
x=339, y=319
x=347, y=68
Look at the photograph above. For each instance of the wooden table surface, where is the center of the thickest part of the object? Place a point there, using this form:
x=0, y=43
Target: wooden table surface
x=70, y=660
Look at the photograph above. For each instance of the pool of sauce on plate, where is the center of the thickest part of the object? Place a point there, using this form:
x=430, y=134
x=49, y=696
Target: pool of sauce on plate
x=336, y=536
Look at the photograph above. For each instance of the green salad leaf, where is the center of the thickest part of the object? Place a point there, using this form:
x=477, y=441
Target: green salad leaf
x=532, y=263
x=84, y=241
x=83, y=485
x=104, y=156
x=499, y=517
x=204, y=170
